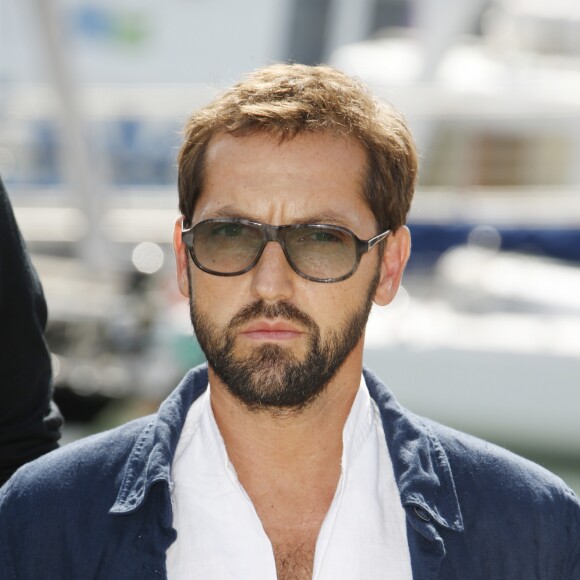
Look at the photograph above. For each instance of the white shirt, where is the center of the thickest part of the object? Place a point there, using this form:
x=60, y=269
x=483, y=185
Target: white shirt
x=219, y=534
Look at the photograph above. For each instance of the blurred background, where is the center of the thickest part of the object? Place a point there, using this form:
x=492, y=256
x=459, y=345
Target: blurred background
x=485, y=334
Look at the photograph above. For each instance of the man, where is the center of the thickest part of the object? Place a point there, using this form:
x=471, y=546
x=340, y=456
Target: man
x=29, y=421
x=293, y=462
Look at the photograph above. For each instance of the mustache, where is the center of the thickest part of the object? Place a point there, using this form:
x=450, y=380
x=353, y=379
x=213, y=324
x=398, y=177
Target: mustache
x=260, y=309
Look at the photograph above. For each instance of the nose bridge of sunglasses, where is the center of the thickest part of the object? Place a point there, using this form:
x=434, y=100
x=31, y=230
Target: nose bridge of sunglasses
x=272, y=233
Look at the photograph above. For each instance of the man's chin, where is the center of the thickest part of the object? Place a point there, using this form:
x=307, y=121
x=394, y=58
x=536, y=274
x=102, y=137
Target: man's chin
x=265, y=378
x=267, y=357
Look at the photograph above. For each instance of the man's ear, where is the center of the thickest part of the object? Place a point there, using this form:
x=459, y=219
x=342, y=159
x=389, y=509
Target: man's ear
x=393, y=262
x=181, y=257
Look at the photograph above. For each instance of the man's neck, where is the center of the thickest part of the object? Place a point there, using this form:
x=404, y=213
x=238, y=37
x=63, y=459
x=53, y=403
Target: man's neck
x=286, y=441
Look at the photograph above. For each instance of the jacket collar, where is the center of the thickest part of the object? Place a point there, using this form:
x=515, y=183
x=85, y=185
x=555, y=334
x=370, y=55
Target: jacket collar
x=420, y=464
x=152, y=455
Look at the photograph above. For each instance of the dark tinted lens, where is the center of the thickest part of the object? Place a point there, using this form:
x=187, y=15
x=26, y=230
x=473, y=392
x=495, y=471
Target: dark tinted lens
x=226, y=247
x=321, y=252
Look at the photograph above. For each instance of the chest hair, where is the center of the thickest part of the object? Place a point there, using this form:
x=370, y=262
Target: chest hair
x=294, y=561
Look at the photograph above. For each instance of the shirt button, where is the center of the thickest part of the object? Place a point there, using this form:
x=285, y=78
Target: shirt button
x=421, y=513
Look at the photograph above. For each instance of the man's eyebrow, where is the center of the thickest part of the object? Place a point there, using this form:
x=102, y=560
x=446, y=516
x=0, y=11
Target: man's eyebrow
x=328, y=217
x=229, y=212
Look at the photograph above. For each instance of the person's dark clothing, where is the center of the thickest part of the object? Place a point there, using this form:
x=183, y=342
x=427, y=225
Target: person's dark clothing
x=29, y=421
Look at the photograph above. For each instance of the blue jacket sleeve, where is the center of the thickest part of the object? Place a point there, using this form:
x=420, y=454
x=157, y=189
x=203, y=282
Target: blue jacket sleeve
x=573, y=572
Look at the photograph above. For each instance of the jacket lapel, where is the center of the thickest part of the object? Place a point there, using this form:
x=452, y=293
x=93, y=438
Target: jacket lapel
x=143, y=504
x=424, y=479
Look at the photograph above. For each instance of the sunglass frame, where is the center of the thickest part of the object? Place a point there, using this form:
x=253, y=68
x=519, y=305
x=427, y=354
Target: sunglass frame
x=272, y=233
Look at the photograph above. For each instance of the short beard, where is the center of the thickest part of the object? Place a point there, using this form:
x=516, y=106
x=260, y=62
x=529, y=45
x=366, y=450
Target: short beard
x=272, y=378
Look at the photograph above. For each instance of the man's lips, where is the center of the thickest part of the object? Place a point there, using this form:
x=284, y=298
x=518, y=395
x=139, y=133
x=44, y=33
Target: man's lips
x=271, y=330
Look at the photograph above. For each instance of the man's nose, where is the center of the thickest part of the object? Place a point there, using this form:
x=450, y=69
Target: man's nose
x=272, y=277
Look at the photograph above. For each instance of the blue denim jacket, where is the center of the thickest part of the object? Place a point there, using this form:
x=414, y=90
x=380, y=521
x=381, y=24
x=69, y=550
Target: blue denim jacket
x=101, y=507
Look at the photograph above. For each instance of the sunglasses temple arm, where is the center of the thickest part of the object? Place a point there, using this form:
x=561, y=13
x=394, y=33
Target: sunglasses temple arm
x=374, y=241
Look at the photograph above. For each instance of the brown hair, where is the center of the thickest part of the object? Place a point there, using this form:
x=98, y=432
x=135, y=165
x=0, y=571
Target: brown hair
x=288, y=99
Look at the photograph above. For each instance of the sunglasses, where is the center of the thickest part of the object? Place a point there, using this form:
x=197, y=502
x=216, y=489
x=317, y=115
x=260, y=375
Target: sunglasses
x=317, y=252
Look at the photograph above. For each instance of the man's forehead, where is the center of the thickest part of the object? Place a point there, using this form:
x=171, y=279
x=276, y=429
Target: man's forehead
x=313, y=177
x=232, y=146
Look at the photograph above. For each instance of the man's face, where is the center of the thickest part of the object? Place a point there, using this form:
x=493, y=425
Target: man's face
x=272, y=337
